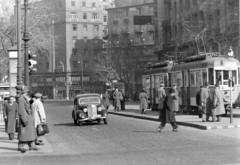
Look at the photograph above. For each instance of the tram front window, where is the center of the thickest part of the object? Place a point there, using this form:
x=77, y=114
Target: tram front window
x=229, y=74
x=219, y=76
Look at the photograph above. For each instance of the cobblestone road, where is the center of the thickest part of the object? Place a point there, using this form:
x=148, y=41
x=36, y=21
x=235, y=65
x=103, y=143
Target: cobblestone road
x=130, y=141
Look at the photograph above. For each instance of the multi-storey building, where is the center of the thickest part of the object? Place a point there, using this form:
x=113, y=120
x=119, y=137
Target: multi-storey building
x=136, y=41
x=185, y=19
x=79, y=32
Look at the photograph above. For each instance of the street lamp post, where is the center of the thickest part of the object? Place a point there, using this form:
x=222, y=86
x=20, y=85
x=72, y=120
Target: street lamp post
x=81, y=72
x=19, y=59
x=26, y=39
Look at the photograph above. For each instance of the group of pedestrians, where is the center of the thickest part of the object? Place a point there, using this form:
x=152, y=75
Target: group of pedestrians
x=22, y=114
x=210, y=106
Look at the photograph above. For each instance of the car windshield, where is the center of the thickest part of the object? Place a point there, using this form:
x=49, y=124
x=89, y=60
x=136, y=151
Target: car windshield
x=88, y=100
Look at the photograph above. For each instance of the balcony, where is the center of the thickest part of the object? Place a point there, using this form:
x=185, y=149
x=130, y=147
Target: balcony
x=138, y=29
x=150, y=28
x=125, y=30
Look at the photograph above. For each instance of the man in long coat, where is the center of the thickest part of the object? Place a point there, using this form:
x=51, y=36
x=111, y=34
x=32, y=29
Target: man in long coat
x=26, y=132
x=117, y=97
x=5, y=102
x=38, y=113
x=206, y=102
x=161, y=97
x=167, y=113
x=143, y=101
x=11, y=117
x=218, y=103
x=176, y=101
x=106, y=100
x=199, y=102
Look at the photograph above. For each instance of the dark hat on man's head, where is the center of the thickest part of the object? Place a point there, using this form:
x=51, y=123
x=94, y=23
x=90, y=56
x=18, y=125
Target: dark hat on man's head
x=38, y=95
x=172, y=90
x=206, y=84
x=24, y=89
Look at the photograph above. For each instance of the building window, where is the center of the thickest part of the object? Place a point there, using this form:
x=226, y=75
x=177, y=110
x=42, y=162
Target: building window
x=104, y=18
x=95, y=52
x=73, y=3
x=84, y=52
x=74, y=27
x=48, y=79
x=104, y=7
x=83, y=3
x=96, y=41
x=84, y=15
x=95, y=27
x=73, y=15
x=151, y=10
x=74, y=40
x=139, y=11
x=85, y=40
x=75, y=64
x=47, y=65
x=94, y=16
x=126, y=12
x=85, y=64
x=85, y=28
x=93, y=4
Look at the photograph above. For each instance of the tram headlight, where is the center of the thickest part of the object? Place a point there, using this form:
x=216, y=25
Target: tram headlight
x=100, y=109
x=85, y=110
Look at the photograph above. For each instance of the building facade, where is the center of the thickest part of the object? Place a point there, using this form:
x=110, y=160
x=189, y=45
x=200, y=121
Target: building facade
x=135, y=42
x=184, y=22
x=79, y=31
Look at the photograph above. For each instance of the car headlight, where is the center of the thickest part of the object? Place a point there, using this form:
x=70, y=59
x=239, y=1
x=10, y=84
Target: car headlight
x=80, y=115
x=85, y=110
x=99, y=108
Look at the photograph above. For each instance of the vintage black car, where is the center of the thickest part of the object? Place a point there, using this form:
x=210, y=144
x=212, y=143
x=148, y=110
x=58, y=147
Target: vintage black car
x=88, y=108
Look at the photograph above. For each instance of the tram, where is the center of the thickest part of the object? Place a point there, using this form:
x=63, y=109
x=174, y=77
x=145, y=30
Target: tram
x=190, y=75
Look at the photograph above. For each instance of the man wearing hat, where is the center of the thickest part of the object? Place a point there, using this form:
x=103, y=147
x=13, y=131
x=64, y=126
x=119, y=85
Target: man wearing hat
x=38, y=112
x=167, y=113
x=206, y=102
x=26, y=132
x=161, y=97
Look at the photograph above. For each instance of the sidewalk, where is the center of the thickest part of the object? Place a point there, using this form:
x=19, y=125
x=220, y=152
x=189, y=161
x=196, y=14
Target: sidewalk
x=9, y=147
x=132, y=110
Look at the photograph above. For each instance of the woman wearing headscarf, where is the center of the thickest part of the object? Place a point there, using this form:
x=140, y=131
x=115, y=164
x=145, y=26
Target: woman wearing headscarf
x=143, y=97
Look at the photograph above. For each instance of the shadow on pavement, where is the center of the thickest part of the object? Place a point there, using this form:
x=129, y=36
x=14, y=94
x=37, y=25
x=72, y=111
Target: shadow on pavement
x=146, y=131
x=7, y=148
x=64, y=124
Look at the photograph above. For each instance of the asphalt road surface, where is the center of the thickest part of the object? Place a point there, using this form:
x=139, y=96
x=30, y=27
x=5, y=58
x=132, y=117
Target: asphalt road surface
x=127, y=141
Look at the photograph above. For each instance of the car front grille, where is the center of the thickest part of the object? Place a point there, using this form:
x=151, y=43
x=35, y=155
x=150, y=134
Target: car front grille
x=92, y=111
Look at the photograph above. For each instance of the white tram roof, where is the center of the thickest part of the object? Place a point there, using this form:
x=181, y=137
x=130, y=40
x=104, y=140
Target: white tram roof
x=216, y=62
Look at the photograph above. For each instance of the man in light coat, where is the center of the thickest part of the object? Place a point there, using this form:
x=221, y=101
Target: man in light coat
x=38, y=112
x=143, y=101
x=218, y=103
x=26, y=131
x=206, y=102
x=117, y=97
x=161, y=97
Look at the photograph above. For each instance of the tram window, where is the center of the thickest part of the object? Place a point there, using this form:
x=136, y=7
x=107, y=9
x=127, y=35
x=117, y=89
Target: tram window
x=238, y=75
x=179, y=79
x=225, y=75
x=219, y=76
x=210, y=76
x=198, y=78
x=204, y=76
x=234, y=76
x=165, y=80
x=170, y=80
x=192, y=78
x=185, y=78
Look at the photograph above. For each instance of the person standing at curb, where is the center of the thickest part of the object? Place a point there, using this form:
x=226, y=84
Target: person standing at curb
x=11, y=117
x=26, y=132
x=106, y=100
x=199, y=102
x=143, y=101
x=218, y=104
x=38, y=113
x=206, y=102
x=117, y=97
x=168, y=115
x=176, y=101
x=5, y=102
x=161, y=97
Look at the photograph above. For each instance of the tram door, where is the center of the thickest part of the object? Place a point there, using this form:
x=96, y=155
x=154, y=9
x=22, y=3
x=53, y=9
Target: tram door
x=185, y=89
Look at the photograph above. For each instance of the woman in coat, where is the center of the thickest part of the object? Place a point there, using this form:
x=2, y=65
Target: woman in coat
x=143, y=97
x=218, y=103
x=176, y=101
x=106, y=100
x=12, y=115
x=167, y=114
x=117, y=97
x=27, y=131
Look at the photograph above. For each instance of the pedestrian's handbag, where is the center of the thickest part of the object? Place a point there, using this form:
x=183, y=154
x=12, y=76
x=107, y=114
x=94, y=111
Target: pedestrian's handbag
x=42, y=129
x=17, y=125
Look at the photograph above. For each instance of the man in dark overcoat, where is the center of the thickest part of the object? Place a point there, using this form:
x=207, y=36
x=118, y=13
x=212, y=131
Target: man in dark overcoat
x=12, y=115
x=168, y=115
x=199, y=102
x=26, y=132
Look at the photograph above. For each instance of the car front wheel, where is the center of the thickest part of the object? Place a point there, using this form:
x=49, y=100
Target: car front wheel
x=79, y=123
x=75, y=121
x=105, y=121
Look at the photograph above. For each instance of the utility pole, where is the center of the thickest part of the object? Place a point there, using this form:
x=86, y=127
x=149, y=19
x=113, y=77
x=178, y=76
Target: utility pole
x=26, y=39
x=82, y=72
x=19, y=64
